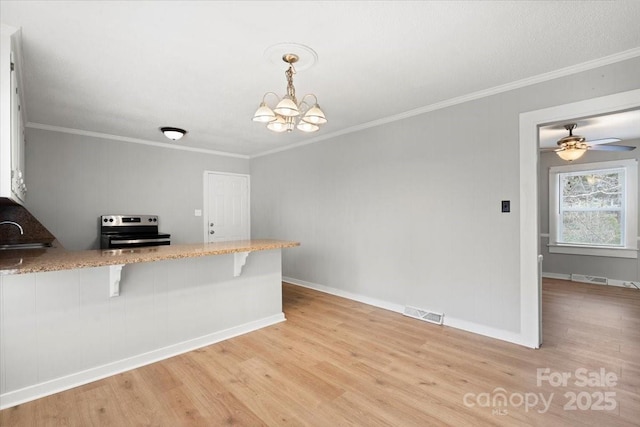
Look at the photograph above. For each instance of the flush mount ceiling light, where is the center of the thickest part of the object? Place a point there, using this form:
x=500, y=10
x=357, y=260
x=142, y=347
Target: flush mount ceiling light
x=288, y=113
x=173, y=133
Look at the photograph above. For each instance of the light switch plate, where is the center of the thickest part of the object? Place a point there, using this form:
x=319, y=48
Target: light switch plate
x=198, y=212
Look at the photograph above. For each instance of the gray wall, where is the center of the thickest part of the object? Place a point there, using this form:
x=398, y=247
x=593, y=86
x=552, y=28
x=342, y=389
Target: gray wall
x=612, y=268
x=409, y=212
x=72, y=180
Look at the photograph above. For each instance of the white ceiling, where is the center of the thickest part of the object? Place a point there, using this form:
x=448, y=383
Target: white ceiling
x=128, y=68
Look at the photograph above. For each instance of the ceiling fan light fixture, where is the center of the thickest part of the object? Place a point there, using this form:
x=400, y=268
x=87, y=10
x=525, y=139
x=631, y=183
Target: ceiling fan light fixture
x=172, y=133
x=571, y=154
x=572, y=147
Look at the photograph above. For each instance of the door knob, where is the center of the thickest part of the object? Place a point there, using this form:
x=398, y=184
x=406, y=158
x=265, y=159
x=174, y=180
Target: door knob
x=212, y=232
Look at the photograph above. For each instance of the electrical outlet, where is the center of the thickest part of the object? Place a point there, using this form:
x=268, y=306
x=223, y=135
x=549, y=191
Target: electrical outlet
x=506, y=206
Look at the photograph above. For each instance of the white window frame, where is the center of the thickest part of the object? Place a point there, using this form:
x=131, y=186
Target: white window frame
x=630, y=248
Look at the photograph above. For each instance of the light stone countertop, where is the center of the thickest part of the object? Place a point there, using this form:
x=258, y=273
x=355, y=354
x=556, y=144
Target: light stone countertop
x=54, y=259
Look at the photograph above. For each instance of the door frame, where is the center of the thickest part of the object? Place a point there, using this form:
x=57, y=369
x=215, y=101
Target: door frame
x=530, y=122
x=205, y=199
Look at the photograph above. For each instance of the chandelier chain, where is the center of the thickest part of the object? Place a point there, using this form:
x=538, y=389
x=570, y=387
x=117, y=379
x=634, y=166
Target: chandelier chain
x=291, y=90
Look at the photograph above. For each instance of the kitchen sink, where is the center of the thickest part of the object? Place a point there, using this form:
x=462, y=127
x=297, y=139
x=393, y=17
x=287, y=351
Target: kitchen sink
x=13, y=246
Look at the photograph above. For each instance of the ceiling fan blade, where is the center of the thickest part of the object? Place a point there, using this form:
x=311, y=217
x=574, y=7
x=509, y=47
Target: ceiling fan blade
x=542, y=150
x=603, y=141
x=611, y=148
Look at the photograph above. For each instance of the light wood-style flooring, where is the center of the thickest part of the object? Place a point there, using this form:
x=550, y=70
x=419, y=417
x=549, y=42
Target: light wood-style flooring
x=336, y=362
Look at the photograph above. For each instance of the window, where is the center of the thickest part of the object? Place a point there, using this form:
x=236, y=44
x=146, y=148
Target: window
x=593, y=209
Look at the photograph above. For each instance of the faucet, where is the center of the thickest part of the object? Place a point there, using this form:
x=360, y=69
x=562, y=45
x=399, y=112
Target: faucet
x=14, y=223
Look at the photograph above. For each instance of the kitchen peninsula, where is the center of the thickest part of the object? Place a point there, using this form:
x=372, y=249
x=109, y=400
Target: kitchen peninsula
x=72, y=317
x=54, y=259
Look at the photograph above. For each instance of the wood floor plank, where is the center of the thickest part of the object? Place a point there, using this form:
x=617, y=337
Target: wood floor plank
x=337, y=362
x=211, y=397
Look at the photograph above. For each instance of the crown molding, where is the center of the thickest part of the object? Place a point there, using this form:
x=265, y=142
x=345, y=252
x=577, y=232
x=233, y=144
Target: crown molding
x=574, y=69
x=72, y=131
x=562, y=72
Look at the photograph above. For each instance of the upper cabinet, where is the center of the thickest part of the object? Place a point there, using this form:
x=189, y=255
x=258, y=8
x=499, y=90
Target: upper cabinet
x=12, y=141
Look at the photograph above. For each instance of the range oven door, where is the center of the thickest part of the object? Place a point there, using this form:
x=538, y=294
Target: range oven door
x=123, y=241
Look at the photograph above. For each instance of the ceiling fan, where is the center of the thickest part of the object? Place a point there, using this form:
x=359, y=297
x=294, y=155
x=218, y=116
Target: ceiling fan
x=572, y=147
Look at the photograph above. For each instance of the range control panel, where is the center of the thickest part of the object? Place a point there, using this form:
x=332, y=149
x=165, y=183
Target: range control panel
x=128, y=220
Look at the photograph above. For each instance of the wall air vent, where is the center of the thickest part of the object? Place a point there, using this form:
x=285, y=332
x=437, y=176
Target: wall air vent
x=426, y=315
x=589, y=279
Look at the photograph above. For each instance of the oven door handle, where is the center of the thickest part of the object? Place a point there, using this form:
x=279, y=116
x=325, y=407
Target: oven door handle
x=135, y=241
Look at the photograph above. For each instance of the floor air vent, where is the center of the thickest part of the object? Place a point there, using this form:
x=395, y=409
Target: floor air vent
x=427, y=316
x=589, y=279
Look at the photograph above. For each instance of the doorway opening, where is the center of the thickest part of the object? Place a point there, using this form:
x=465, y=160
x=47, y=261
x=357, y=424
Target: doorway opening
x=530, y=264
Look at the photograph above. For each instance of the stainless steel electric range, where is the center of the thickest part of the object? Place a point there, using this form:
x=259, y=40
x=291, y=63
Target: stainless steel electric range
x=131, y=231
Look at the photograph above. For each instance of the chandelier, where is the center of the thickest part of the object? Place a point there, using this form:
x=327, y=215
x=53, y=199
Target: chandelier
x=288, y=112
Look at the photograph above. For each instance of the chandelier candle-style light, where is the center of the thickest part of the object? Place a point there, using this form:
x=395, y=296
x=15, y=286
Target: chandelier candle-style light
x=288, y=113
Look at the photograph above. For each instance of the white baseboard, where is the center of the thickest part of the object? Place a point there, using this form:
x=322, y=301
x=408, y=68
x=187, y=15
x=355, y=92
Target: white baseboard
x=559, y=276
x=464, y=325
x=345, y=294
x=618, y=283
x=487, y=331
x=57, y=385
x=610, y=282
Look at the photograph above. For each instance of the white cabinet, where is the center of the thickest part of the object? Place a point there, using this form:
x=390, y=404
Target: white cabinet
x=12, y=179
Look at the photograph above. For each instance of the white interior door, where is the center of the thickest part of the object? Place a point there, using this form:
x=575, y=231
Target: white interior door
x=226, y=207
